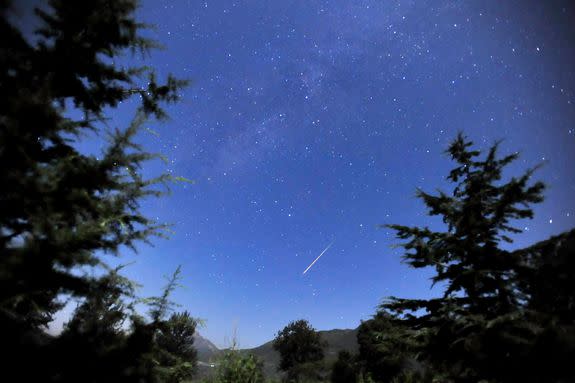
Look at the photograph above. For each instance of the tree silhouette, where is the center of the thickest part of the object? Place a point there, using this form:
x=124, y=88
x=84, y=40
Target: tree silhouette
x=299, y=345
x=176, y=352
x=387, y=346
x=545, y=280
x=476, y=329
x=62, y=208
x=93, y=344
x=345, y=369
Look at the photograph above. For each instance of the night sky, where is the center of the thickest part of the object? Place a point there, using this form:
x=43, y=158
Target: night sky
x=311, y=122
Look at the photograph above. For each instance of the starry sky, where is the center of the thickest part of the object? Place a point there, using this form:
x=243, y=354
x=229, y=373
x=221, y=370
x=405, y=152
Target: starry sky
x=311, y=122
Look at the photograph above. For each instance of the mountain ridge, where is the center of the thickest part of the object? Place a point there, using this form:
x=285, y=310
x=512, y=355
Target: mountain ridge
x=336, y=340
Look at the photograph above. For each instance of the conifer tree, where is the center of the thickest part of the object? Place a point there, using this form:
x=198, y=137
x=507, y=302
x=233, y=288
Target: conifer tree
x=475, y=330
x=62, y=208
x=176, y=355
x=165, y=344
x=93, y=344
x=173, y=354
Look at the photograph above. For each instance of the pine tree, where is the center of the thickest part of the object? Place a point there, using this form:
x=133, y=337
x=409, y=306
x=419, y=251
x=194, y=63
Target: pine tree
x=61, y=208
x=173, y=354
x=92, y=346
x=475, y=330
x=176, y=353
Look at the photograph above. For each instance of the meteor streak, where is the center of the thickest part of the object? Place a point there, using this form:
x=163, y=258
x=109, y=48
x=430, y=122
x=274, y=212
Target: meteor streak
x=319, y=256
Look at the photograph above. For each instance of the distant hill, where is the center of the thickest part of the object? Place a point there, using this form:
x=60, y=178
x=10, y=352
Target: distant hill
x=340, y=340
x=207, y=354
x=549, y=252
x=207, y=351
x=337, y=340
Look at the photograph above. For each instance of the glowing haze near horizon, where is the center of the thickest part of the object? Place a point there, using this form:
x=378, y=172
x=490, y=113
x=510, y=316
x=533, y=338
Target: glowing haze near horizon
x=309, y=122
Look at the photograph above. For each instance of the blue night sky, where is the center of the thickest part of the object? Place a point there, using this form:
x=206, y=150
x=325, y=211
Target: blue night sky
x=311, y=121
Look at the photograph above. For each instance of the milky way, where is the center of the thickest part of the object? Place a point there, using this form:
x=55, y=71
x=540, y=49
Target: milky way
x=313, y=120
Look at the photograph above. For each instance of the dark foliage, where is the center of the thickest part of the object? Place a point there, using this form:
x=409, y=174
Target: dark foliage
x=299, y=346
x=235, y=367
x=175, y=343
x=62, y=208
x=386, y=346
x=494, y=322
x=345, y=369
x=94, y=346
x=546, y=279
